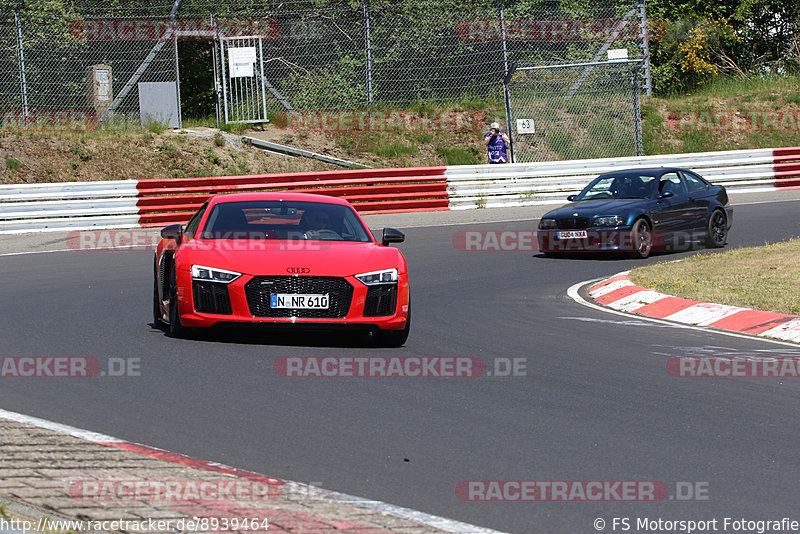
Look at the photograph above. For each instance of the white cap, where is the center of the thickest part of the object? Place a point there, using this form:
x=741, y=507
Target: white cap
x=494, y=125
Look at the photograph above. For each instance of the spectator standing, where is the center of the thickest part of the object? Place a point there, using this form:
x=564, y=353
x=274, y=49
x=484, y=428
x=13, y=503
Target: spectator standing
x=497, y=143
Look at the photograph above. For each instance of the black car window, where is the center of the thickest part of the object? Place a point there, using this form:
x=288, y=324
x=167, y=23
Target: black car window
x=194, y=222
x=670, y=181
x=694, y=183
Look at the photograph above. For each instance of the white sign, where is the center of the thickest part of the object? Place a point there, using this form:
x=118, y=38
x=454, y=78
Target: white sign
x=525, y=126
x=103, y=80
x=617, y=53
x=241, y=60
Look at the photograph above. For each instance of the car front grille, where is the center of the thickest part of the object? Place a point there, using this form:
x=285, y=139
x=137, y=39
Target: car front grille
x=381, y=300
x=259, y=289
x=211, y=297
x=575, y=223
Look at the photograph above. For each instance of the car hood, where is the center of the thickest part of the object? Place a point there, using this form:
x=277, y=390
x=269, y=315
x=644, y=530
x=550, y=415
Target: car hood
x=278, y=257
x=589, y=208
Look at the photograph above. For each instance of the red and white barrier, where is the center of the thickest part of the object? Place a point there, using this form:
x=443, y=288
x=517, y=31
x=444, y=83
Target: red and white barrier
x=619, y=293
x=157, y=202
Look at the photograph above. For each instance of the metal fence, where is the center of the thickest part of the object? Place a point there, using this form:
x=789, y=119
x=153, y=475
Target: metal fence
x=317, y=55
x=570, y=111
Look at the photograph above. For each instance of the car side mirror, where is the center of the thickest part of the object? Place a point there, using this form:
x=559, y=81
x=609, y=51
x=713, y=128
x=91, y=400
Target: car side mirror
x=571, y=197
x=666, y=194
x=173, y=231
x=390, y=235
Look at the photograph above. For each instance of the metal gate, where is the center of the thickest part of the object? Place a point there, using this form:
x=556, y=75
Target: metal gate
x=239, y=69
x=574, y=111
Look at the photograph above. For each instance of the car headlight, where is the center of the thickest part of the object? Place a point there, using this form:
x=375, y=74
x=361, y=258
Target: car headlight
x=616, y=220
x=211, y=274
x=387, y=276
x=547, y=224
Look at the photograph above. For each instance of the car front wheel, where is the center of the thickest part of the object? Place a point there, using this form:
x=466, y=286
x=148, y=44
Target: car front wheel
x=394, y=338
x=176, y=329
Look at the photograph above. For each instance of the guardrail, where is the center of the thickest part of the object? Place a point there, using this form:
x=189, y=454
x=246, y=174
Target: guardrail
x=528, y=184
x=133, y=203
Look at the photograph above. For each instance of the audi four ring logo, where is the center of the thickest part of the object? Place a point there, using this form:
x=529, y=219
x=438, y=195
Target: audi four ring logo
x=298, y=270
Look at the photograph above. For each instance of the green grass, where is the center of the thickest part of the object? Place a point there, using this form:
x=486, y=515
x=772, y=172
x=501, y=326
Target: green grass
x=13, y=164
x=235, y=127
x=458, y=156
x=156, y=127
x=395, y=149
x=732, y=86
x=200, y=122
x=762, y=278
x=82, y=153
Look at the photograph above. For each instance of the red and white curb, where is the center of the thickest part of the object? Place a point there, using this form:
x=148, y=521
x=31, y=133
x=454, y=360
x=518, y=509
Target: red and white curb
x=441, y=523
x=620, y=294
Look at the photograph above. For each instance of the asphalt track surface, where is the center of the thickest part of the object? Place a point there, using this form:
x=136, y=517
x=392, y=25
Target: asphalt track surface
x=596, y=404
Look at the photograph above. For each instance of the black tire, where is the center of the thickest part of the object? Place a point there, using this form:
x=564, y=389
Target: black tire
x=641, y=239
x=394, y=338
x=717, y=230
x=157, y=321
x=176, y=329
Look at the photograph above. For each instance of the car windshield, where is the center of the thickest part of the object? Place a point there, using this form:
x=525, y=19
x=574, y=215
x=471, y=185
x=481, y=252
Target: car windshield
x=279, y=219
x=619, y=186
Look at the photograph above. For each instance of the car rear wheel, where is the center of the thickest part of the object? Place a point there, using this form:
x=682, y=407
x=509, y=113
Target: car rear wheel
x=176, y=329
x=394, y=338
x=641, y=239
x=717, y=233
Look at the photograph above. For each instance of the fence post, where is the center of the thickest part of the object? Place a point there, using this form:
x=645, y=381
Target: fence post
x=177, y=78
x=643, y=36
x=506, y=80
x=509, y=114
x=368, y=47
x=637, y=111
x=21, y=57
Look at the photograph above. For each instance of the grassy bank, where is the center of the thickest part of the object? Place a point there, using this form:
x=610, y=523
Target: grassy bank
x=727, y=114
x=768, y=116
x=762, y=278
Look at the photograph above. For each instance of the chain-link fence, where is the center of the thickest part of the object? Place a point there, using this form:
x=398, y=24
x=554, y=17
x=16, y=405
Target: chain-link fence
x=317, y=55
x=574, y=111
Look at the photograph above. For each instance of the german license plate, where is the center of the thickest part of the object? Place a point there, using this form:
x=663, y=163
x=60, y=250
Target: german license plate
x=299, y=302
x=572, y=234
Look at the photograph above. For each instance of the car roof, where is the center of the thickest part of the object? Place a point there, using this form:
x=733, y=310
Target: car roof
x=277, y=195
x=647, y=170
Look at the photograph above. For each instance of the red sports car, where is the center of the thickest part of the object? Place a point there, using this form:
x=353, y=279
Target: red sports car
x=285, y=259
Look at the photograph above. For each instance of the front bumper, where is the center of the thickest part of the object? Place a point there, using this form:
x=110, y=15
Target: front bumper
x=596, y=240
x=242, y=311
